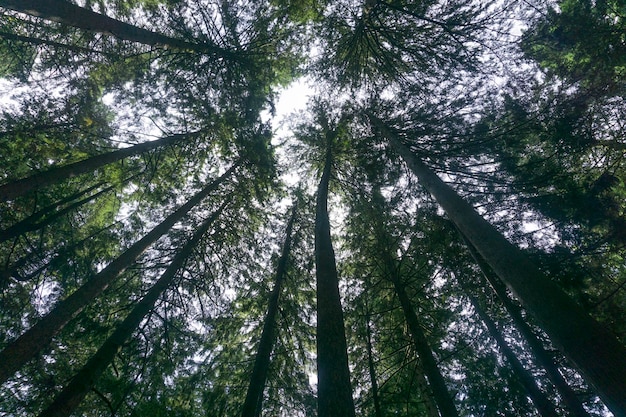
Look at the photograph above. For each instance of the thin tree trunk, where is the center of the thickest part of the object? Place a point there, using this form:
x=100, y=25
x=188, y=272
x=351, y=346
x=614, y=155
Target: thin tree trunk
x=54, y=206
x=72, y=15
x=71, y=396
x=539, y=399
x=370, y=362
x=13, y=270
x=371, y=367
x=254, y=396
x=566, y=393
x=444, y=401
x=597, y=353
x=22, y=186
x=30, y=223
x=30, y=343
x=334, y=391
x=37, y=41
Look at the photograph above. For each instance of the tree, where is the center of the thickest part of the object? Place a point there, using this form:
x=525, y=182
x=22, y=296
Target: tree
x=541, y=354
x=569, y=327
x=39, y=336
x=68, y=399
x=22, y=186
x=70, y=14
x=254, y=396
x=334, y=390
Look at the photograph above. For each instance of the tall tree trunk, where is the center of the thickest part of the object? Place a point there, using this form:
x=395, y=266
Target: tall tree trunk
x=30, y=343
x=22, y=186
x=539, y=399
x=334, y=392
x=370, y=366
x=254, y=397
x=597, y=353
x=426, y=394
x=71, y=396
x=72, y=15
x=444, y=401
x=544, y=358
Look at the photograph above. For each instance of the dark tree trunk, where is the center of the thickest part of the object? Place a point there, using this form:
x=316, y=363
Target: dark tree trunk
x=72, y=15
x=254, y=397
x=444, y=401
x=597, y=353
x=334, y=392
x=539, y=399
x=71, y=396
x=29, y=344
x=536, y=346
x=54, y=175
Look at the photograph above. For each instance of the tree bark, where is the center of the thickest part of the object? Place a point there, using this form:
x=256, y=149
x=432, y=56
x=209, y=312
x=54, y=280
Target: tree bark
x=22, y=186
x=539, y=399
x=597, y=353
x=35, y=339
x=254, y=396
x=444, y=401
x=71, y=396
x=334, y=391
x=566, y=392
x=72, y=15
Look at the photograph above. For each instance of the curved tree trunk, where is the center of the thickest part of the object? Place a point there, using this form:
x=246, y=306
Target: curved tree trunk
x=544, y=358
x=539, y=399
x=254, y=396
x=30, y=343
x=72, y=15
x=599, y=356
x=334, y=391
x=71, y=396
x=22, y=186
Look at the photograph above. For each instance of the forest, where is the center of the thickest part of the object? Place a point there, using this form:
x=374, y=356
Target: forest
x=440, y=232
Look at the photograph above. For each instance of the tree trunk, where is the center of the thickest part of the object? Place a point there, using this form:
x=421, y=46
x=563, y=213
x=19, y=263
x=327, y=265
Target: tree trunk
x=371, y=368
x=599, y=356
x=254, y=396
x=12, y=270
x=544, y=358
x=30, y=223
x=334, y=392
x=539, y=399
x=29, y=344
x=37, y=41
x=22, y=186
x=71, y=396
x=444, y=401
x=69, y=14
